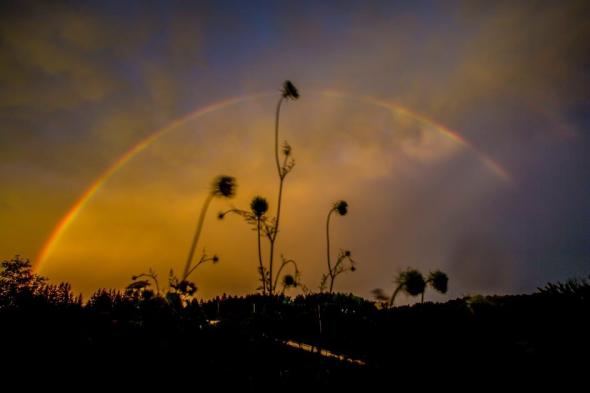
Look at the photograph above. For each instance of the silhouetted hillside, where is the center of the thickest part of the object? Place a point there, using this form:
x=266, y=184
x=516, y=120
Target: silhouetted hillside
x=258, y=340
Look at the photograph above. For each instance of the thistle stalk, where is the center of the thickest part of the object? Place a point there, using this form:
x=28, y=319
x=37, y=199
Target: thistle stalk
x=222, y=187
x=289, y=92
x=191, y=253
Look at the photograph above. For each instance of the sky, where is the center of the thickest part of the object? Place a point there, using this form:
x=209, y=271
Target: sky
x=457, y=131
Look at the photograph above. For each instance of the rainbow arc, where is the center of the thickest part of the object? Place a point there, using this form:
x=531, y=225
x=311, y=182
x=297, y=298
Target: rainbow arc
x=395, y=108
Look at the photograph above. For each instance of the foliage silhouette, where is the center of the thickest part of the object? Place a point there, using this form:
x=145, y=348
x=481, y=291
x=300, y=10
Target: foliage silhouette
x=575, y=288
x=245, y=337
x=477, y=334
x=18, y=283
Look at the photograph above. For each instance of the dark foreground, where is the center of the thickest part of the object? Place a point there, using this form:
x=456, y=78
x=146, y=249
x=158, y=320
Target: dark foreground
x=240, y=342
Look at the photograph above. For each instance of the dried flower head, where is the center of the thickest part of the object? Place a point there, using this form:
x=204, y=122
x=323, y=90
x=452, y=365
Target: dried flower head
x=290, y=91
x=224, y=186
x=439, y=281
x=412, y=282
x=289, y=281
x=259, y=206
x=341, y=207
x=286, y=149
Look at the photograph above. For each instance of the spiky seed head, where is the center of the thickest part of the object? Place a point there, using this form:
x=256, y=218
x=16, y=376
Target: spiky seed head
x=259, y=206
x=224, y=186
x=439, y=281
x=341, y=207
x=289, y=281
x=290, y=91
x=411, y=281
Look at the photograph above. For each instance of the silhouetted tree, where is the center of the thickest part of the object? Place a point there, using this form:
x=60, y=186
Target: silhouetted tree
x=577, y=288
x=60, y=295
x=222, y=187
x=103, y=300
x=18, y=282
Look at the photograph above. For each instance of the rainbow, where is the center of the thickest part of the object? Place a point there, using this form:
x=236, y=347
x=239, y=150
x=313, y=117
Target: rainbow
x=453, y=135
x=87, y=195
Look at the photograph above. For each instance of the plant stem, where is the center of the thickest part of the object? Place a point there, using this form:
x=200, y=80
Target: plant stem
x=400, y=286
x=278, y=216
x=191, y=253
x=285, y=263
x=201, y=261
x=425, y=286
x=260, y=259
x=277, y=137
x=328, y=249
x=155, y=279
x=275, y=233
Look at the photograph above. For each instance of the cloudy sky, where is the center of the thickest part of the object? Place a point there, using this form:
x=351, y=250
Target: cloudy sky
x=457, y=131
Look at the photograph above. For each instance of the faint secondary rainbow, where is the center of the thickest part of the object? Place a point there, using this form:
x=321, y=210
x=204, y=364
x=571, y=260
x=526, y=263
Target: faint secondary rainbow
x=77, y=207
